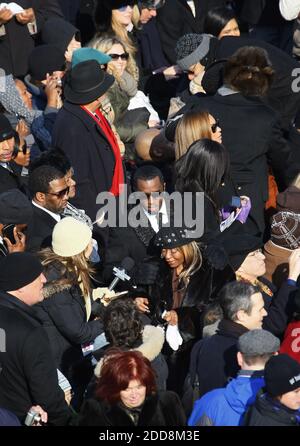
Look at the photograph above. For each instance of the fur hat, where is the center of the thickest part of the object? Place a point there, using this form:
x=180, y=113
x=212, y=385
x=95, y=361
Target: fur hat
x=70, y=237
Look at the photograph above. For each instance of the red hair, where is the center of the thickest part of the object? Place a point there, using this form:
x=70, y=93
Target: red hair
x=118, y=369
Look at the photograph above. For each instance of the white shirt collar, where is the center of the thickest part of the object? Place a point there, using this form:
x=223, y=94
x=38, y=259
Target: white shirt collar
x=56, y=217
x=152, y=217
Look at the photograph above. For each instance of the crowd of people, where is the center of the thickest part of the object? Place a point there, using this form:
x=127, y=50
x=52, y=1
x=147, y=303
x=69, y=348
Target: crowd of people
x=150, y=213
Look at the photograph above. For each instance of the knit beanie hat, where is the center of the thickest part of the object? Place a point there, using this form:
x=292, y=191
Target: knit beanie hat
x=70, y=237
x=18, y=270
x=282, y=375
x=191, y=49
x=58, y=32
x=45, y=59
x=15, y=208
x=285, y=230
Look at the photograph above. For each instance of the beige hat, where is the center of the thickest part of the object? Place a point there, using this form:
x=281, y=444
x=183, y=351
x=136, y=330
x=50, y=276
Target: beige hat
x=70, y=237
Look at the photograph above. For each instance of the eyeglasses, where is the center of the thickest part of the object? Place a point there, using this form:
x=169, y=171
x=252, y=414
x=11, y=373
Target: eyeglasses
x=215, y=126
x=61, y=193
x=123, y=56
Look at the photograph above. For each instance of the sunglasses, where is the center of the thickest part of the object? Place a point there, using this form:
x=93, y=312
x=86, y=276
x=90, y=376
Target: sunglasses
x=215, y=126
x=61, y=193
x=123, y=8
x=123, y=56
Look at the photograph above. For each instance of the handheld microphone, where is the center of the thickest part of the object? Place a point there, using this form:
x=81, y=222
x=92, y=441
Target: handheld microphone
x=121, y=273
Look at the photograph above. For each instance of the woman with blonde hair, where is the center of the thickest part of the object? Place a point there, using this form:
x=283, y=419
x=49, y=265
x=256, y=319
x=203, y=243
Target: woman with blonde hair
x=195, y=125
x=67, y=306
x=175, y=299
x=133, y=111
x=118, y=18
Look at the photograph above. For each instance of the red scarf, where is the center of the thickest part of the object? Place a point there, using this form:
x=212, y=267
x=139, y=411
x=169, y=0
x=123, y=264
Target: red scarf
x=118, y=178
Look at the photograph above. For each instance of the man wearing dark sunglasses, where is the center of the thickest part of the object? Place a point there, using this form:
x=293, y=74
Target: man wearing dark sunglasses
x=50, y=194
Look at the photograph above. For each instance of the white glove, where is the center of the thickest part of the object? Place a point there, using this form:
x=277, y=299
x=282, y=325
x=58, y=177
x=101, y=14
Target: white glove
x=173, y=337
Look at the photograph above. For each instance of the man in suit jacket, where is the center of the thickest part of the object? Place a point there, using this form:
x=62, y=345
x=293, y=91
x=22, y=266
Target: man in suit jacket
x=177, y=18
x=136, y=242
x=50, y=193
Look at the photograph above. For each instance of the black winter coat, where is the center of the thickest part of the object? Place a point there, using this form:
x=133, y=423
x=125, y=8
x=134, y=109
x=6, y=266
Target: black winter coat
x=39, y=230
x=79, y=136
x=17, y=43
x=281, y=96
x=268, y=412
x=10, y=179
x=252, y=135
x=28, y=373
x=63, y=316
x=175, y=19
x=161, y=409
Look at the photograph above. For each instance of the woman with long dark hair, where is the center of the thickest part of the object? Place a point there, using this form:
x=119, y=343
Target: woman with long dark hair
x=221, y=22
x=204, y=168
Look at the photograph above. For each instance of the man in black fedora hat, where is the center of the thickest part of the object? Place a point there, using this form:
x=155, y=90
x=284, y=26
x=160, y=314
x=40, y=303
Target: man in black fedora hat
x=84, y=134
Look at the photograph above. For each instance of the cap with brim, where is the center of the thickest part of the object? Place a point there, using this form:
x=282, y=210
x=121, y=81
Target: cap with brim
x=169, y=238
x=18, y=270
x=86, y=82
x=84, y=54
x=258, y=342
x=6, y=130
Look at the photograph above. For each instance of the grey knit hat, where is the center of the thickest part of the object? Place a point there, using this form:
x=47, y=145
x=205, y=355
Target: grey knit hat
x=257, y=343
x=191, y=49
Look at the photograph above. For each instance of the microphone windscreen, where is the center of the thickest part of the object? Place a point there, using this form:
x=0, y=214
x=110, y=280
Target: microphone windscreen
x=127, y=263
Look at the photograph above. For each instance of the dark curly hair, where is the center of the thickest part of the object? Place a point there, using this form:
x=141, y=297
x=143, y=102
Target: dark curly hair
x=249, y=71
x=122, y=324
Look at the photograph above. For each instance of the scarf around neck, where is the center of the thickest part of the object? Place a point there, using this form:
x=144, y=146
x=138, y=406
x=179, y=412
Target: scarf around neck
x=118, y=177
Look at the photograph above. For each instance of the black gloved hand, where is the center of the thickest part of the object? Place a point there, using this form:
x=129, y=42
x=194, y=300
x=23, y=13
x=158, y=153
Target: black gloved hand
x=146, y=273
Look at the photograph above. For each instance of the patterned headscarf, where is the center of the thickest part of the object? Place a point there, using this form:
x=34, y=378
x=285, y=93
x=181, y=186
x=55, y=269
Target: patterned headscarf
x=13, y=103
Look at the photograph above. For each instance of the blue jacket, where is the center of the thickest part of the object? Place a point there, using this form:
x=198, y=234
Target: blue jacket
x=226, y=407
